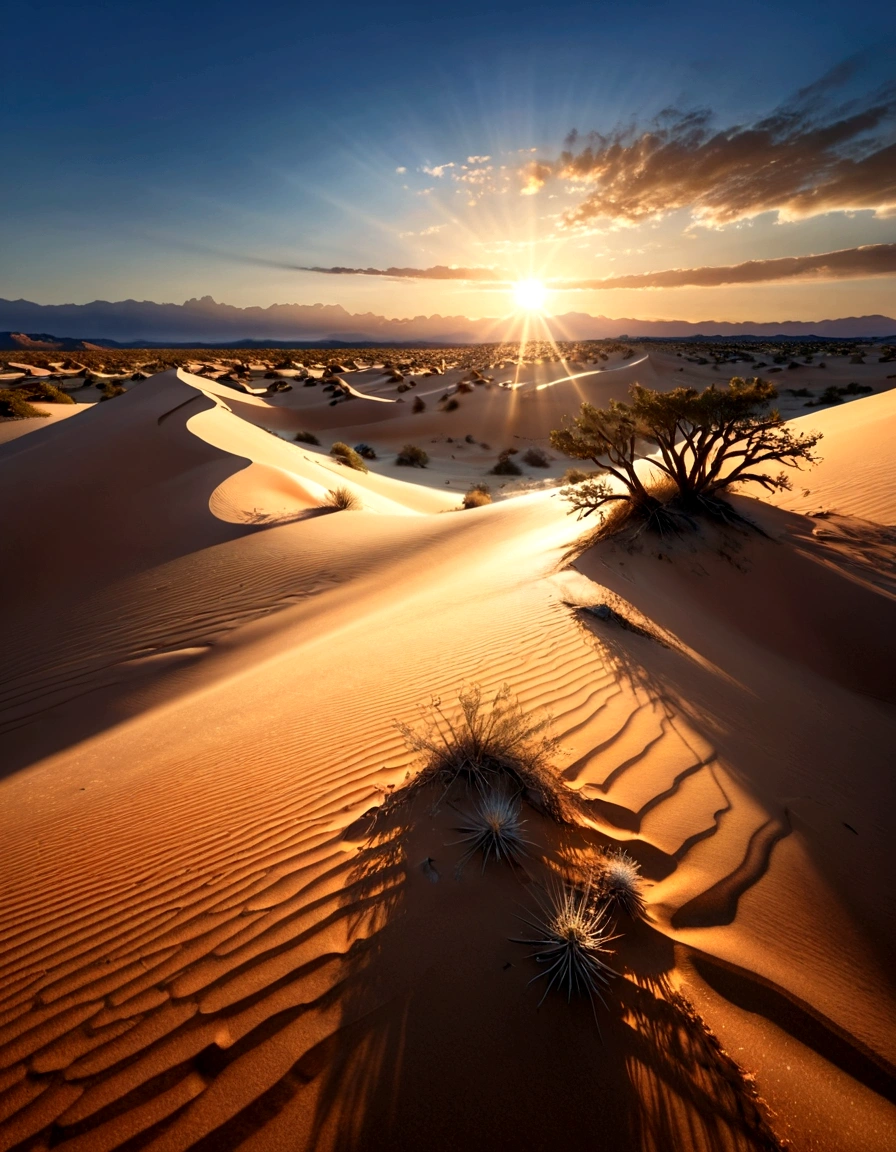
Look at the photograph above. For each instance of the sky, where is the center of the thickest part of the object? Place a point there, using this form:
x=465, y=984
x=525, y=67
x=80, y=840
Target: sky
x=689, y=161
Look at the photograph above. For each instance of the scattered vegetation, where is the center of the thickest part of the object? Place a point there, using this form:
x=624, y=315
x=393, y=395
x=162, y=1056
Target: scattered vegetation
x=536, y=458
x=412, y=457
x=707, y=441
x=45, y=392
x=365, y=451
x=348, y=456
x=306, y=438
x=418, y=406
x=835, y=395
x=110, y=389
x=451, y=405
x=341, y=499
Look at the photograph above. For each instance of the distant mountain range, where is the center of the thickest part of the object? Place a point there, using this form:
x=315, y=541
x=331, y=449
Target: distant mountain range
x=204, y=322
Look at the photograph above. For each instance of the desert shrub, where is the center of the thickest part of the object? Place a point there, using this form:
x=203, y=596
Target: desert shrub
x=306, y=438
x=44, y=391
x=310, y=382
x=412, y=457
x=505, y=466
x=419, y=405
x=536, y=458
x=489, y=745
x=706, y=441
x=477, y=496
x=451, y=406
x=830, y=396
x=572, y=934
x=577, y=476
x=110, y=389
x=469, y=438
x=618, y=882
x=348, y=456
x=464, y=386
x=365, y=451
x=403, y=388
x=855, y=389
x=493, y=828
x=14, y=406
x=341, y=500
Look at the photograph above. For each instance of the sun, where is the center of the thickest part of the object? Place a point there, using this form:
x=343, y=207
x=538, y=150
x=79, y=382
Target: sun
x=530, y=295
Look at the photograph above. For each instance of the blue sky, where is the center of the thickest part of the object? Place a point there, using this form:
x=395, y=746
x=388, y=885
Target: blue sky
x=179, y=150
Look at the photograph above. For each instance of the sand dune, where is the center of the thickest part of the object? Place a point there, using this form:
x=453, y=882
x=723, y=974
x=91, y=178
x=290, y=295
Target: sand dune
x=206, y=942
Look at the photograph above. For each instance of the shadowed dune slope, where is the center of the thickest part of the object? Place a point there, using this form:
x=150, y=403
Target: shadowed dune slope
x=209, y=941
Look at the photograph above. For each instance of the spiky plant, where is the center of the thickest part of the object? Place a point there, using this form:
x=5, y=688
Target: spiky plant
x=493, y=828
x=572, y=937
x=618, y=883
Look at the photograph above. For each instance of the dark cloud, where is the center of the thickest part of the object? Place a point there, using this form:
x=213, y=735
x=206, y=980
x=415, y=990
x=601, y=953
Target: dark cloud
x=439, y=272
x=808, y=157
x=846, y=264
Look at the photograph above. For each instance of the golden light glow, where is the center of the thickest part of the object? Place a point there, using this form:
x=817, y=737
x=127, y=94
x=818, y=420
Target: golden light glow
x=530, y=295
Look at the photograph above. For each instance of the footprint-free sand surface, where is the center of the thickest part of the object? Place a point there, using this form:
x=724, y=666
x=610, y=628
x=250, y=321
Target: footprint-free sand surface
x=208, y=940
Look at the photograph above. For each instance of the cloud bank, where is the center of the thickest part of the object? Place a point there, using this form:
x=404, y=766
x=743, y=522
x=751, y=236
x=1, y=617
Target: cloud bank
x=845, y=264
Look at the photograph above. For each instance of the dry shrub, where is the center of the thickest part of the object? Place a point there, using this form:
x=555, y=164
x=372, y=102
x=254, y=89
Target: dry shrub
x=412, y=457
x=306, y=438
x=14, y=406
x=505, y=466
x=536, y=458
x=478, y=496
x=341, y=499
x=348, y=456
x=489, y=744
x=418, y=406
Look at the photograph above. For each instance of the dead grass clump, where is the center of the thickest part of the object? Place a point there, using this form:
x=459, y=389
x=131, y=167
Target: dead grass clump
x=478, y=496
x=412, y=457
x=341, y=499
x=348, y=456
x=306, y=438
x=536, y=458
x=489, y=744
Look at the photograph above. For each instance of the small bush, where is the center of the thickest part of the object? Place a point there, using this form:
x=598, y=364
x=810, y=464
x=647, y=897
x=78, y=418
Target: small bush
x=464, y=386
x=505, y=466
x=490, y=744
x=365, y=451
x=618, y=882
x=494, y=828
x=536, y=458
x=110, y=389
x=577, y=476
x=451, y=406
x=14, y=406
x=341, y=500
x=44, y=391
x=412, y=457
x=348, y=456
x=306, y=438
x=419, y=405
x=478, y=496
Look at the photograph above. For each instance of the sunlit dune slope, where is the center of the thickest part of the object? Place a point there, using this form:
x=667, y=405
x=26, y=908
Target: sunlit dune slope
x=200, y=945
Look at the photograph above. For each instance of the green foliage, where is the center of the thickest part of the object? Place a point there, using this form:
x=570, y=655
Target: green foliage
x=45, y=392
x=14, y=406
x=412, y=457
x=348, y=456
x=703, y=442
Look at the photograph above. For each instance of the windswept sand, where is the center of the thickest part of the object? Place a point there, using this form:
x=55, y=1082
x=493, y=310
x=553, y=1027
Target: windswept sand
x=202, y=945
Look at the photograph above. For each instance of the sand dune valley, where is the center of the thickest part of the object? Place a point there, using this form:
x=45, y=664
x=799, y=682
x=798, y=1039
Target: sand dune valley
x=244, y=903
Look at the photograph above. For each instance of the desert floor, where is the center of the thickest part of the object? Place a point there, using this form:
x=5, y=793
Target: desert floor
x=218, y=929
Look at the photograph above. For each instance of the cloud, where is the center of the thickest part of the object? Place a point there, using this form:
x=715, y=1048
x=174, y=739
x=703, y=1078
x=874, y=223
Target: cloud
x=438, y=170
x=401, y=168
x=846, y=264
x=438, y=272
x=478, y=159
x=809, y=157
x=432, y=230
x=534, y=177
